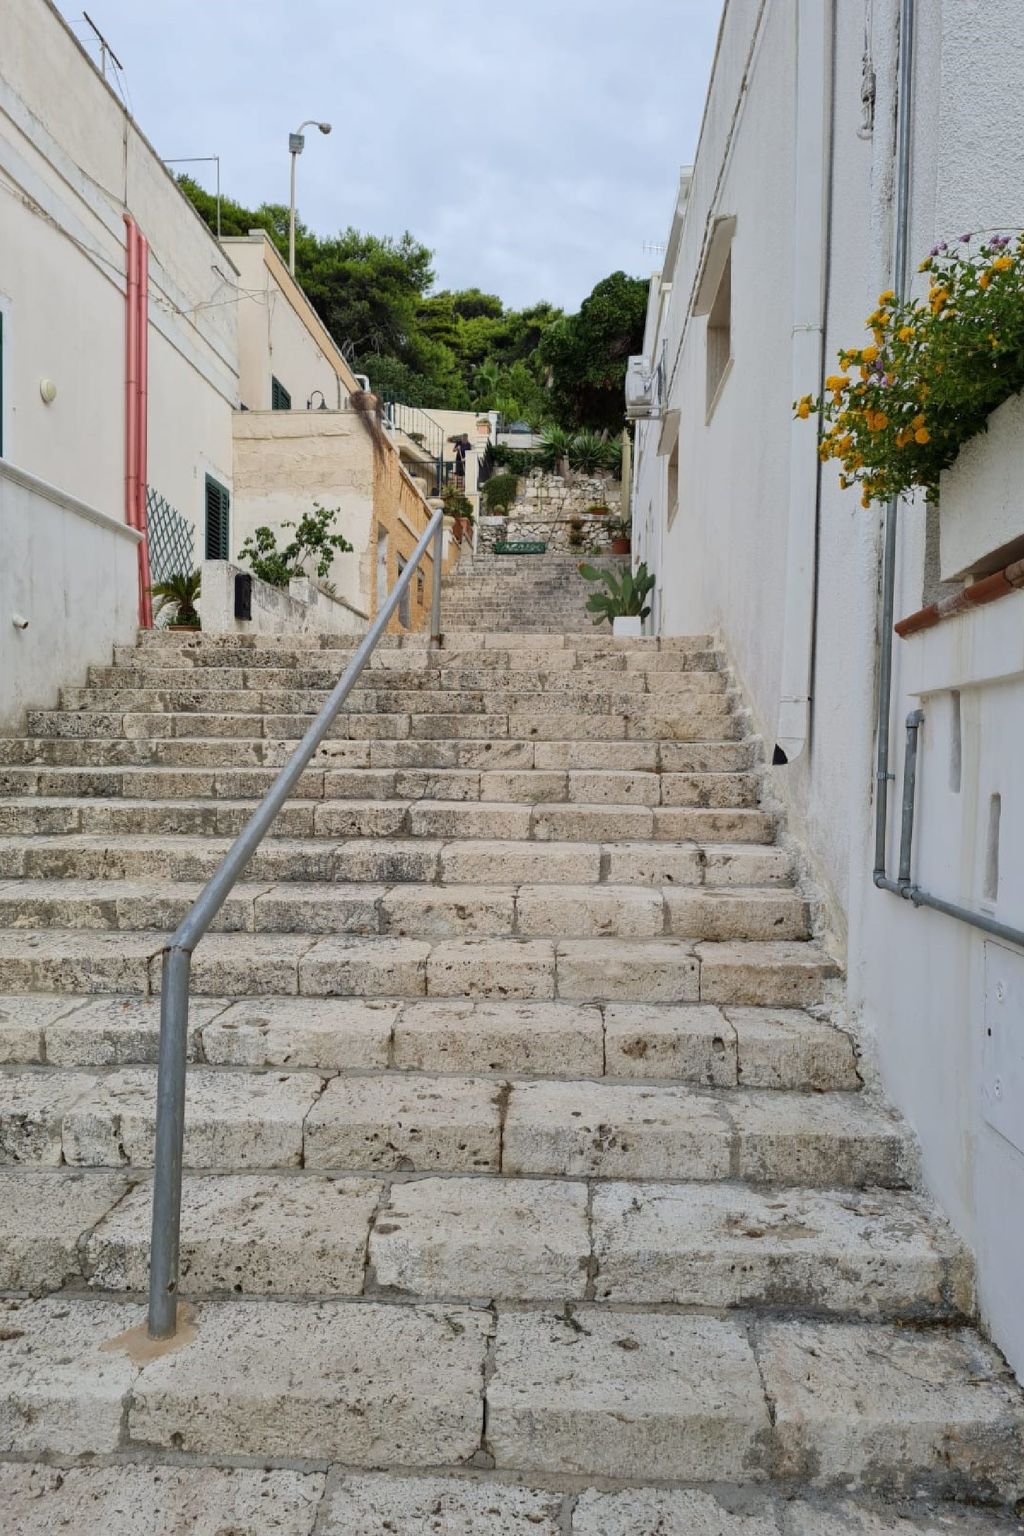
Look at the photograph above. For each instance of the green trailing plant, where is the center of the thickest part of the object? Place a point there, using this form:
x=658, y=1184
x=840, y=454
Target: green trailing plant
x=180, y=592
x=519, y=461
x=500, y=492
x=626, y=597
x=902, y=407
x=314, y=541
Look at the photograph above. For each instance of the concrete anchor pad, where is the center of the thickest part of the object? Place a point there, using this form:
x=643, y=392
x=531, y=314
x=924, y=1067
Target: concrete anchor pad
x=359, y=1383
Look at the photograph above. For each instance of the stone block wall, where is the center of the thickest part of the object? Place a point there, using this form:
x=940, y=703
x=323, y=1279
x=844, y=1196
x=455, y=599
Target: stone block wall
x=547, y=508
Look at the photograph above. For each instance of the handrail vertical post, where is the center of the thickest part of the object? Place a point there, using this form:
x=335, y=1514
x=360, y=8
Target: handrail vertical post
x=435, y=599
x=170, y=1136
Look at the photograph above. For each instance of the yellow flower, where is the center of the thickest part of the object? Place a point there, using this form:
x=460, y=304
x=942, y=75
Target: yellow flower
x=937, y=298
x=1002, y=264
x=906, y=333
x=888, y=297
x=922, y=435
x=869, y=355
x=803, y=408
x=837, y=382
x=865, y=499
x=926, y=265
x=984, y=279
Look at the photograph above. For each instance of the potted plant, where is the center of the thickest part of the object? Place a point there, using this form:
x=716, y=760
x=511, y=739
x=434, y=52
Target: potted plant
x=621, y=533
x=180, y=592
x=598, y=509
x=624, y=605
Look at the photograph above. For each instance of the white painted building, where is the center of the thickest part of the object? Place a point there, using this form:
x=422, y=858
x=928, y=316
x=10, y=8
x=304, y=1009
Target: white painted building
x=783, y=236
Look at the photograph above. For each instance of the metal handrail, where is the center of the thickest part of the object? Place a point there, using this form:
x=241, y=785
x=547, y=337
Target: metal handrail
x=177, y=954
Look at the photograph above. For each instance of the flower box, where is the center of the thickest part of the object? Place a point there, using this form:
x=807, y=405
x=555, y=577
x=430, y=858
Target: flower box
x=981, y=504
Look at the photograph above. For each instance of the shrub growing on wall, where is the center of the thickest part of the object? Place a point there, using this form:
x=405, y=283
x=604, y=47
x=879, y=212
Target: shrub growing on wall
x=902, y=407
x=500, y=492
x=314, y=541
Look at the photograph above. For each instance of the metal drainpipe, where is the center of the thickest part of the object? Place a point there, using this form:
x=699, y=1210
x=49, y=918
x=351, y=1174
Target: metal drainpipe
x=903, y=155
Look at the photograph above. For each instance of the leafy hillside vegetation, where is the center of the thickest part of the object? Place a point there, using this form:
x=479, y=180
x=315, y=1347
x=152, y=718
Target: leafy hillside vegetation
x=458, y=350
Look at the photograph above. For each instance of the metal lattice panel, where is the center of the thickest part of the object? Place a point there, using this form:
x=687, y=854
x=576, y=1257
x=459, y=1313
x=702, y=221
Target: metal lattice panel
x=171, y=539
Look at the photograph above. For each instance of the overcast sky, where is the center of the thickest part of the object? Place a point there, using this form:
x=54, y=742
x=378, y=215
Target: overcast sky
x=534, y=147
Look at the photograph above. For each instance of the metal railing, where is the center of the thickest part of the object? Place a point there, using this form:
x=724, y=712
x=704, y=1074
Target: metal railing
x=177, y=954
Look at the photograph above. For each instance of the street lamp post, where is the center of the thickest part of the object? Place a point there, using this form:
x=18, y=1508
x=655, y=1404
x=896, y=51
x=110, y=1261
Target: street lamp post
x=296, y=144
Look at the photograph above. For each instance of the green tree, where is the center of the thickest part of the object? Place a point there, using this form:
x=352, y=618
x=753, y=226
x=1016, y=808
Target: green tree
x=587, y=353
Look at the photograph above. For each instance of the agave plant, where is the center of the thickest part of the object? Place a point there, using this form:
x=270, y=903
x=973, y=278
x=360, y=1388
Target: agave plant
x=180, y=592
x=554, y=449
x=626, y=597
x=588, y=452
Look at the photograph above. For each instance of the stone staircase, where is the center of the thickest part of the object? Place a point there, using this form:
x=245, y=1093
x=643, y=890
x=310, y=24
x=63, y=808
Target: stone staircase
x=529, y=1188
x=523, y=593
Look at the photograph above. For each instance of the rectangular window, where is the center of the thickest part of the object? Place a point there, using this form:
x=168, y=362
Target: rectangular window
x=218, y=508
x=280, y=399
x=719, y=335
x=672, y=492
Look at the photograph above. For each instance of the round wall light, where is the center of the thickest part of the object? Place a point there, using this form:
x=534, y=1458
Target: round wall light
x=48, y=390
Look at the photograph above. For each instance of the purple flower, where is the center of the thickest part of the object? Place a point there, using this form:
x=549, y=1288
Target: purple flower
x=937, y=250
x=966, y=239
x=998, y=241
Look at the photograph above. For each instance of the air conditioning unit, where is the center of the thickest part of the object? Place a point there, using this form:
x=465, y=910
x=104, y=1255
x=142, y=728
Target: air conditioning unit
x=641, y=390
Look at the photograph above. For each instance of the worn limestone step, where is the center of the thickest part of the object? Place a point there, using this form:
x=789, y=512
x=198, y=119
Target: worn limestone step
x=417, y=911
x=527, y=786
x=688, y=1042
x=467, y=677
x=293, y=698
x=666, y=723
x=609, y=659
x=131, y=1499
x=83, y=754
x=777, y=974
x=857, y=1407
x=492, y=820
x=417, y=1123
x=876, y=1254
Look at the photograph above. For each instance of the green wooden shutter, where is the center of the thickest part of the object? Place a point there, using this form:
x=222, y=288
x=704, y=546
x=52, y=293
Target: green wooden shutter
x=218, y=506
x=280, y=399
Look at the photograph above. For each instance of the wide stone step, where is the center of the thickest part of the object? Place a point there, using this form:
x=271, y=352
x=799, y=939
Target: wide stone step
x=609, y=658
x=493, y=820
x=657, y=723
x=688, y=1042
x=284, y=964
x=85, y=754
x=524, y=911
x=525, y=786
x=410, y=1122
x=876, y=1254
x=842, y=1406
x=467, y=676
x=394, y=859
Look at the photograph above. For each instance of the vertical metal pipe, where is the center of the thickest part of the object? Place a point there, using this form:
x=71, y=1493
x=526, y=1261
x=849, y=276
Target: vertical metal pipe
x=914, y=722
x=291, y=220
x=131, y=363
x=142, y=430
x=435, y=596
x=170, y=1134
x=903, y=157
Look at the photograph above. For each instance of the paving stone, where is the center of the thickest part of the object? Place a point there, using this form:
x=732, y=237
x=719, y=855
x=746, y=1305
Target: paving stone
x=640, y=970
x=62, y=1387
x=625, y=1395
x=745, y=864
x=589, y=911
x=334, y=1034
x=132, y=1500
x=244, y=964
x=442, y=912
x=817, y=1139
x=43, y=1213
x=496, y=968
x=388, y=860
x=661, y=864
x=519, y=1239
x=420, y=1506
x=784, y=1048
x=872, y=1255
x=679, y=825
x=520, y=863
x=783, y=974
x=867, y=1406
x=590, y=823
x=525, y=788
x=911, y=1517
x=232, y=1120
x=691, y=1042
x=118, y=1031
x=359, y=1383
x=320, y=908
x=747, y=914
x=484, y=819
x=462, y=1035
x=23, y=1024
x=606, y=787
x=66, y=961
x=614, y=1131
x=341, y=967
x=417, y=1124
x=32, y=1109
x=668, y=1512
x=251, y=1233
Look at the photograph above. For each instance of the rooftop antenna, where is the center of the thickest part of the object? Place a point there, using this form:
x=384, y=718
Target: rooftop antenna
x=105, y=47
x=654, y=248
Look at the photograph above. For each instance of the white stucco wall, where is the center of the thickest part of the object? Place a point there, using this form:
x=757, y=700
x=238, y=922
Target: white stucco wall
x=300, y=608
x=280, y=335
x=73, y=162
x=68, y=593
x=916, y=978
